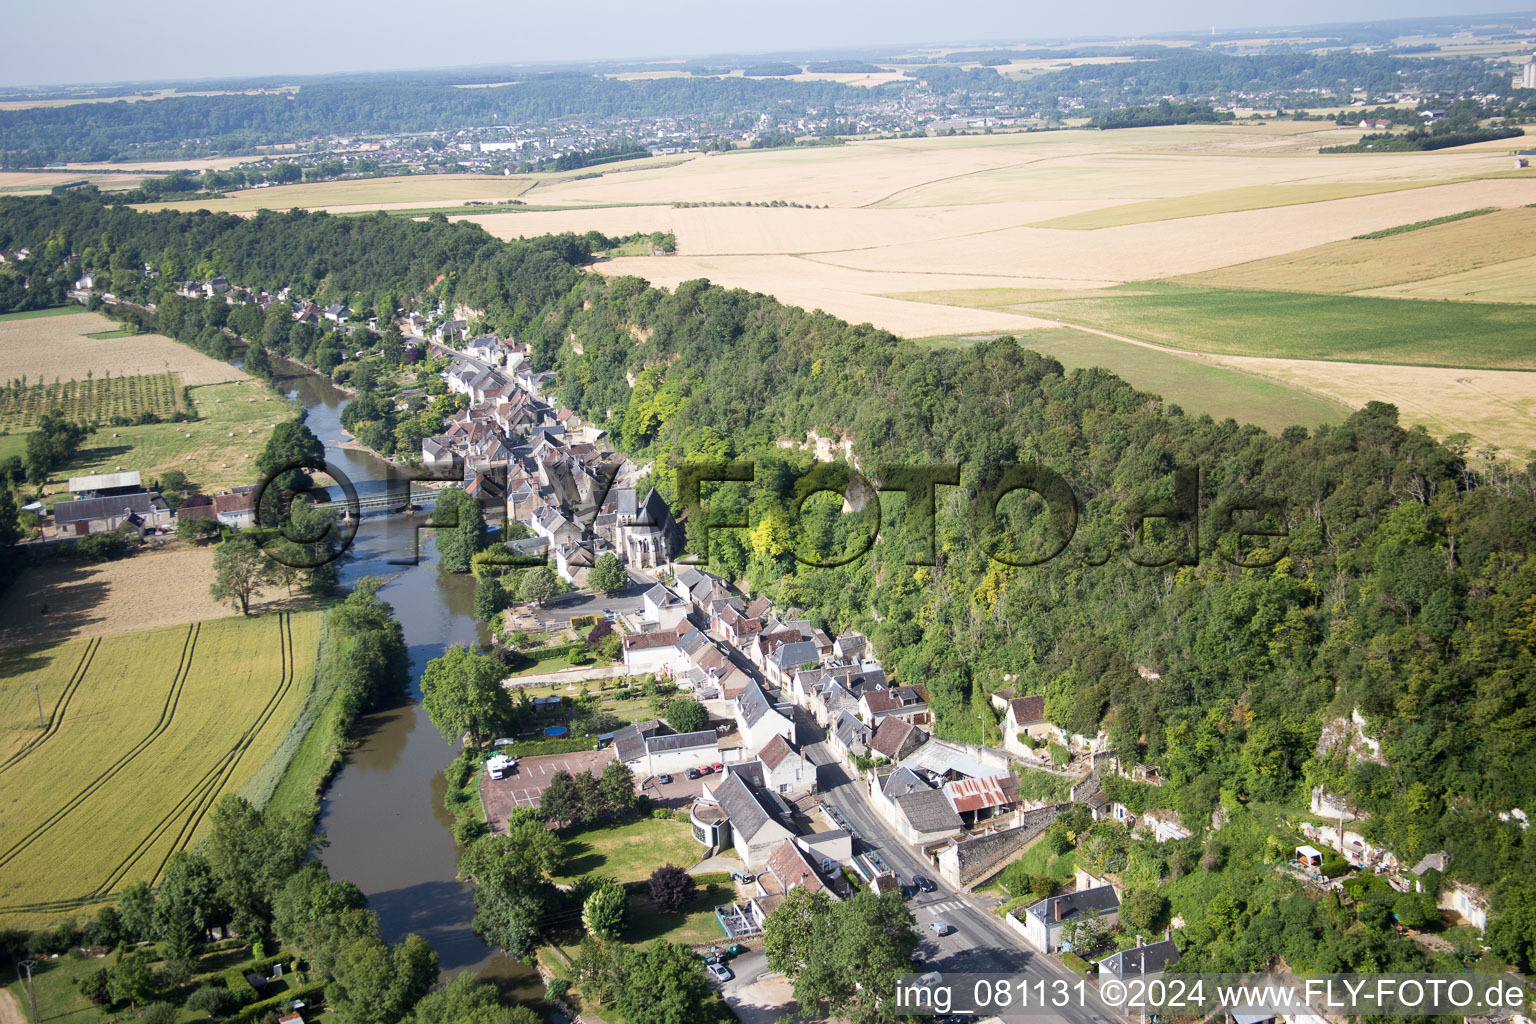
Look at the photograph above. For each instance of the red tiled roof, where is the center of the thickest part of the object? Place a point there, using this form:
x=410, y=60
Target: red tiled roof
x=788, y=864
x=977, y=794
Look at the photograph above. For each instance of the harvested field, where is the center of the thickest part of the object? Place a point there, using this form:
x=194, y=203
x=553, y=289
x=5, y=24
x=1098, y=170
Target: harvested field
x=90, y=599
x=200, y=709
x=1233, y=200
x=42, y=348
x=1360, y=265
x=1496, y=407
x=1510, y=281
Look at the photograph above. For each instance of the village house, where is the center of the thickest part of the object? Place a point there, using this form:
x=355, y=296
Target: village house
x=785, y=770
x=1043, y=923
x=1141, y=960
x=653, y=748
x=759, y=718
x=737, y=811
x=1024, y=715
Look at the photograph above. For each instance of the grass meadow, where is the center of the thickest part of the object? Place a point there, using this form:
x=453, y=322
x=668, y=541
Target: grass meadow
x=198, y=709
x=630, y=850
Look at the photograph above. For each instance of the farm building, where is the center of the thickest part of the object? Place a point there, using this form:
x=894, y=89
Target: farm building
x=105, y=485
x=98, y=515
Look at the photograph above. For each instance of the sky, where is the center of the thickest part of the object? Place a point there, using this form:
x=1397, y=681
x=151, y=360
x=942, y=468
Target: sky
x=98, y=41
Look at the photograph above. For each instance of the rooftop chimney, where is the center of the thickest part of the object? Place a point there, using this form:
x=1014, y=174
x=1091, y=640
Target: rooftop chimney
x=1140, y=942
x=1056, y=909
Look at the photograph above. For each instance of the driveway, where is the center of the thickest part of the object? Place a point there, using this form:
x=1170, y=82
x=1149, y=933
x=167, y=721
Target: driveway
x=525, y=785
x=756, y=999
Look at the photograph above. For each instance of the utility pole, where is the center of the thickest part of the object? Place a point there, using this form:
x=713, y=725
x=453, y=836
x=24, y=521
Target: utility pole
x=40, y=723
x=31, y=992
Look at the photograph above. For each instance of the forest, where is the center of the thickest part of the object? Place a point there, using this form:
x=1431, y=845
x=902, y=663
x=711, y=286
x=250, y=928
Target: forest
x=1267, y=584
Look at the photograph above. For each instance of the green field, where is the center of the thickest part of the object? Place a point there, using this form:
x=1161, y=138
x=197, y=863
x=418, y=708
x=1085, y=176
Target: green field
x=93, y=400
x=1295, y=325
x=33, y=314
x=233, y=423
x=143, y=733
x=629, y=851
x=1195, y=385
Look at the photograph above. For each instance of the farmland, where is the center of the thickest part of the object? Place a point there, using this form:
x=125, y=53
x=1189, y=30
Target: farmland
x=1395, y=262
x=216, y=451
x=60, y=346
x=200, y=708
x=1307, y=326
x=93, y=400
x=1011, y=233
x=68, y=599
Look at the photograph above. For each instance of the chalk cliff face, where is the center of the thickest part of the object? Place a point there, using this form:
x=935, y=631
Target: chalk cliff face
x=1350, y=733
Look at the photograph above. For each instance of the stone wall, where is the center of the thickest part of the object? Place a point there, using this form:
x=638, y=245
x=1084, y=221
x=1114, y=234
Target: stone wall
x=974, y=861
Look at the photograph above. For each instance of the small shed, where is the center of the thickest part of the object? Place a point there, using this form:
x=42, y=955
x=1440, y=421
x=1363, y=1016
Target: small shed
x=1309, y=855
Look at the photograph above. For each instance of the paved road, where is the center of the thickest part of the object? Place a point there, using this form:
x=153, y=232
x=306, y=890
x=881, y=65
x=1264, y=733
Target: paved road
x=981, y=942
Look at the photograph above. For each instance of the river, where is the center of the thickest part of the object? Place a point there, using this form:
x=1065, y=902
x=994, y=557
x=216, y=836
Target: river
x=383, y=816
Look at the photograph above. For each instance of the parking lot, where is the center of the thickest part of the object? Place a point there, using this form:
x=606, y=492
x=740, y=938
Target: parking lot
x=524, y=786
x=677, y=794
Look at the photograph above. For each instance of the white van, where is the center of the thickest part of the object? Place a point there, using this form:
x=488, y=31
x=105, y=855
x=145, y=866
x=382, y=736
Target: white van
x=499, y=766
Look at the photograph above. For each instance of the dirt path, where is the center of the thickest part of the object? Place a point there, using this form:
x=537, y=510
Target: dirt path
x=10, y=1009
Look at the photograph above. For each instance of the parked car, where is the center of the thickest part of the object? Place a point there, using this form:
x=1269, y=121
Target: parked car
x=924, y=883
x=940, y=927
x=693, y=773
x=706, y=770
x=744, y=877
x=717, y=767
x=720, y=973
x=499, y=766
x=664, y=779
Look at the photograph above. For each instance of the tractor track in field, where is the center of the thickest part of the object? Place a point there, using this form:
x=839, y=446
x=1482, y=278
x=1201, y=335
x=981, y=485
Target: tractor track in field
x=200, y=798
x=167, y=713
x=56, y=716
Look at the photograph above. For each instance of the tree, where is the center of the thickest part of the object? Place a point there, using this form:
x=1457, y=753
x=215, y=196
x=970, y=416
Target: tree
x=319, y=916
x=687, y=715
x=196, y=530
x=1143, y=908
x=664, y=983
x=608, y=574
x=843, y=953
x=511, y=874
x=136, y=909
x=1512, y=931
x=462, y=693
x=468, y=1000
x=618, y=785
x=539, y=585
x=240, y=569
x=10, y=517
x=131, y=980
x=560, y=803
x=291, y=448
x=374, y=984
x=490, y=598
x=604, y=911
x=671, y=888
x=462, y=530
x=252, y=856
x=257, y=363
